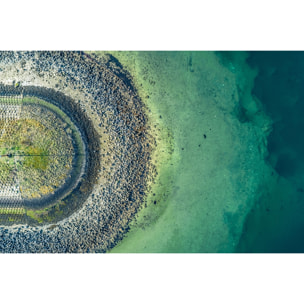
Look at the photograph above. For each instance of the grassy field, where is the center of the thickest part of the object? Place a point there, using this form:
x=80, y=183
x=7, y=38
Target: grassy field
x=37, y=152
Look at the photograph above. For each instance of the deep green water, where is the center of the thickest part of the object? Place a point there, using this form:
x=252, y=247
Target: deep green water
x=278, y=224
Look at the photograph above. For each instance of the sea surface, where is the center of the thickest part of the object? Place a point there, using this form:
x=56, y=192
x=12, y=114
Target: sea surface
x=229, y=152
x=278, y=224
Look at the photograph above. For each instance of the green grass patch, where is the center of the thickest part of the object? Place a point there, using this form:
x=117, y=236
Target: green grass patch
x=47, y=214
x=34, y=215
x=37, y=158
x=6, y=170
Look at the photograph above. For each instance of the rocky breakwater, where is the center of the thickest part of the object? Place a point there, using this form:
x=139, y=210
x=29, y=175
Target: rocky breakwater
x=118, y=142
